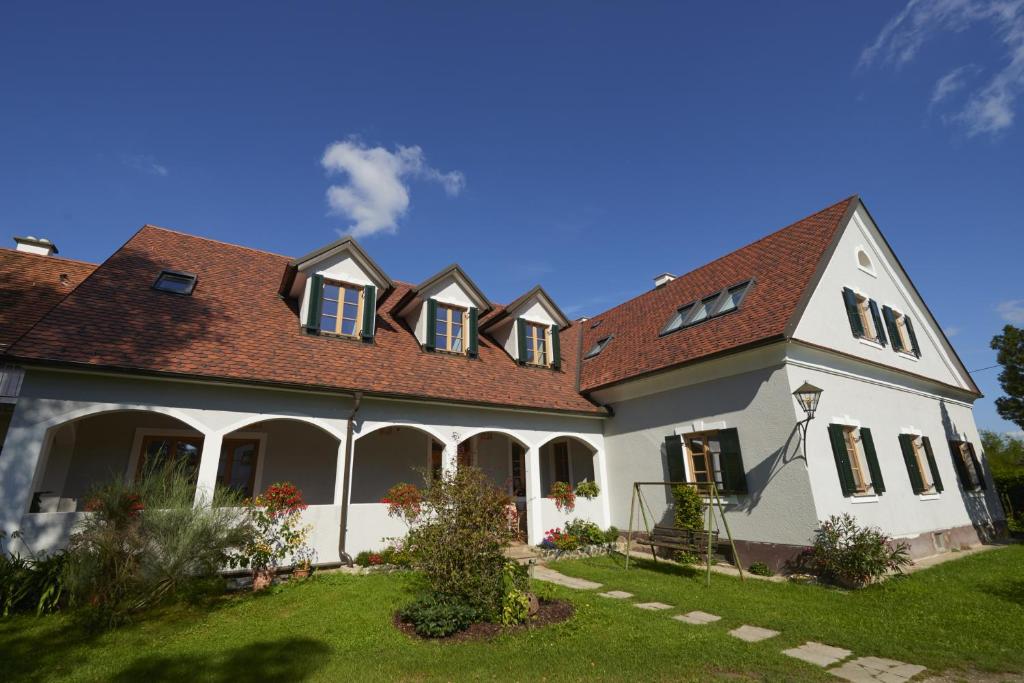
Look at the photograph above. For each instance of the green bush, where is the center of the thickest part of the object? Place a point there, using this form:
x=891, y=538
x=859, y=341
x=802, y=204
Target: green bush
x=515, y=602
x=392, y=556
x=34, y=583
x=146, y=542
x=586, y=533
x=760, y=569
x=458, y=540
x=433, y=616
x=611, y=535
x=852, y=555
x=689, y=508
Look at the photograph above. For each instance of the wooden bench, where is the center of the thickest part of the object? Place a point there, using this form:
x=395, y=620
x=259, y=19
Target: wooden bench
x=681, y=539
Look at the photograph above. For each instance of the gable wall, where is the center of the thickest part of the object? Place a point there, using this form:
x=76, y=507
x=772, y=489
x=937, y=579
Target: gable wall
x=340, y=267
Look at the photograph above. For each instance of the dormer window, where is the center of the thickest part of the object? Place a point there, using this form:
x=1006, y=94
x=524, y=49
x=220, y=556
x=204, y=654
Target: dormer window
x=598, y=347
x=175, y=282
x=709, y=307
x=536, y=344
x=341, y=309
x=450, y=325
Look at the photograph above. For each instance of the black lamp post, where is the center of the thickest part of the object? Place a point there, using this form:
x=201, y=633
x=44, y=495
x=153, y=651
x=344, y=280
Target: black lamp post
x=807, y=396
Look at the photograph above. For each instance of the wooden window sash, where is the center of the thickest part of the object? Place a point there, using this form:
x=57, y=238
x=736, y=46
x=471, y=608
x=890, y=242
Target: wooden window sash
x=172, y=448
x=227, y=450
x=449, y=315
x=855, y=460
x=968, y=462
x=538, y=343
x=560, y=453
x=922, y=466
x=707, y=454
x=864, y=312
x=901, y=328
x=339, y=319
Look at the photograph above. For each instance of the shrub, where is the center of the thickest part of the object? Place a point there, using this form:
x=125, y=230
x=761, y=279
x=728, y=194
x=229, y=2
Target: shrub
x=852, y=555
x=458, y=540
x=588, y=490
x=760, y=569
x=393, y=556
x=563, y=496
x=611, y=535
x=274, y=517
x=404, y=501
x=586, y=533
x=433, y=616
x=556, y=539
x=146, y=542
x=689, y=508
x=515, y=601
x=34, y=583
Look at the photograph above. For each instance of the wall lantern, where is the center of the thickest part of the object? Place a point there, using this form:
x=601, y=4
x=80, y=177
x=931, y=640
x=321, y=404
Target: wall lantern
x=808, y=396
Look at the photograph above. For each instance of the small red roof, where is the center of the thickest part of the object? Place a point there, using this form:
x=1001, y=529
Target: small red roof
x=236, y=327
x=32, y=284
x=781, y=265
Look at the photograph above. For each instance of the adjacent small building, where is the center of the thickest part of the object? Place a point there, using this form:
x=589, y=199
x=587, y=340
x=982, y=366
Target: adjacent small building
x=251, y=367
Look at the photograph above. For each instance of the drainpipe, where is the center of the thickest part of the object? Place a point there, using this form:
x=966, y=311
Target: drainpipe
x=346, y=483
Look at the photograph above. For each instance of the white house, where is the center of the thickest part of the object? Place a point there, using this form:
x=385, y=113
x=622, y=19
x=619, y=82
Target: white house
x=253, y=368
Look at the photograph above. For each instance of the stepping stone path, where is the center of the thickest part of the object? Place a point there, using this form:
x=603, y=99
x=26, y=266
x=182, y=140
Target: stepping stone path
x=618, y=595
x=871, y=669
x=818, y=654
x=551, y=576
x=752, y=634
x=697, y=618
x=653, y=606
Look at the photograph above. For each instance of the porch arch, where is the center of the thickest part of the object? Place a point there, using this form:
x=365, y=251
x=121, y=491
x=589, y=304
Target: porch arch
x=389, y=454
x=250, y=420
x=568, y=458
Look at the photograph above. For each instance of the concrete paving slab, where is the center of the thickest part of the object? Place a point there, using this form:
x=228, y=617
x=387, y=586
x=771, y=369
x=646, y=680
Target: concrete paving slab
x=876, y=670
x=653, y=606
x=818, y=654
x=697, y=618
x=543, y=573
x=752, y=634
x=618, y=595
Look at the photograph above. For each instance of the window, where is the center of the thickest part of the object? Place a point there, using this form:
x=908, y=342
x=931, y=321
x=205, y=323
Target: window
x=864, y=261
x=449, y=329
x=341, y=309
x=536, y=344
x=175, y=282
x=901, y=331
x=704, y=452
x=436, y=459
x=160, y=452
x=865, y=320
x=705, y=458
x=6, y=413
x=517, y=485
x=968, y=467
x=598, y=347
x=856, y=460
x=921, y=466
x=864, y=311
x=709, y=307
x=237, y=468
x=560, y=461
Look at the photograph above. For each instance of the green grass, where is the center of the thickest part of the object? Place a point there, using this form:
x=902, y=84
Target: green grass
x=968, y=613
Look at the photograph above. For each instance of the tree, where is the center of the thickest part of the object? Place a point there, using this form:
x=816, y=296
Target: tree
x=1010, y=354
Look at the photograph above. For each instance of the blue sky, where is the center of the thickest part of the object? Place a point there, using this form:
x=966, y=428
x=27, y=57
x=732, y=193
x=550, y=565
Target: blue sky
x=586, y=146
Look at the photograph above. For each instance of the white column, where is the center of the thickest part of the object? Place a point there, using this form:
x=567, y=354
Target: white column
x=206, y=482
x=449, y=459
x=601, y=477
x=339, y=473
x=21, y=468
x=534, y=497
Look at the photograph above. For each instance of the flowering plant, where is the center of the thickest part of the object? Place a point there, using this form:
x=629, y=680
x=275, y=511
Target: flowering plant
x=559, y=540
x=403, y=500
x=588, y=489
x=275, y=515
x=563, y=496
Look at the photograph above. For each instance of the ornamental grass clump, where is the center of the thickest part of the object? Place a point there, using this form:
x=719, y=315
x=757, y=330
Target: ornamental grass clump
x=853, y=556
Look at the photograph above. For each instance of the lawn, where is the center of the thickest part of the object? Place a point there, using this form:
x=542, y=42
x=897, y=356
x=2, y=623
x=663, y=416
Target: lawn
x=967, y=613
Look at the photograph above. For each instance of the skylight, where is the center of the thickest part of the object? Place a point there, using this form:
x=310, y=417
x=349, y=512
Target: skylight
x=175, y=282
x=709, y=307
x=598, y=347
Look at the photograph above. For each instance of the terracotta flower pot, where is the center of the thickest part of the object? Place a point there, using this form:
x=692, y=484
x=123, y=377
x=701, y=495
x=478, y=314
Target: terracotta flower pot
x=301, y=573
x=262, y=578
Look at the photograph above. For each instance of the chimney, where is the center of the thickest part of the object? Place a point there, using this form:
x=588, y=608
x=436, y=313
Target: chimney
x=663, y=279
x=36, y=245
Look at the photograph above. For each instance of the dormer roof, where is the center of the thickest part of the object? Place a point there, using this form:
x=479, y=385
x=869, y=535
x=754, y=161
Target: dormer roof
x=455, y=273
x=512, y=309
x=344, y=245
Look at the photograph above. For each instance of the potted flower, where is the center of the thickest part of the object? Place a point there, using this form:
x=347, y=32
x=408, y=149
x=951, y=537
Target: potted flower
x=588, y=489
x=565, y=499
x=302, y=561
x=274, y=517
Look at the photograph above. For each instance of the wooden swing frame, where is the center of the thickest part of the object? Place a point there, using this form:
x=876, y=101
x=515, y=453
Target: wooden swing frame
x=712, y=500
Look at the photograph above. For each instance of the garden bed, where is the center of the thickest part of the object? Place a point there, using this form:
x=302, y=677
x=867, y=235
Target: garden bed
x=550, y=612
x=578, y=553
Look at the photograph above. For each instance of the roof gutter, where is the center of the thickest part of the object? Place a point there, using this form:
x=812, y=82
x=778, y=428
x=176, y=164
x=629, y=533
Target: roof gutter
x=346, y=481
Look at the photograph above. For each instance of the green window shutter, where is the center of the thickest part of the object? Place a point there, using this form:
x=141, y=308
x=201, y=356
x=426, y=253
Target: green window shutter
x=556, y=348
x=877, y=483
x=977, y=465
x=913, y=337
x=431, y=342
x=890, y=324
x=907, y=446
x=316, y=295
x=932, y=465
x=838, y=439
x=674, y=458
x=850, y=300
x=474, y=342
x=521, y=331
x=734, y=478
x=369, y=312
x=959, y=465
x=876, y=317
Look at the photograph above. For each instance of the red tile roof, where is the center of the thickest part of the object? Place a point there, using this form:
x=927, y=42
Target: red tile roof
x=32, y=284
x=782, y=266
x=235, y=327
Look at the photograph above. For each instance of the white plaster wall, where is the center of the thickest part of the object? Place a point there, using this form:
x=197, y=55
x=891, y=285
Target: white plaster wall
x=887, y=411
x=300, y=454
x=493, y=458
x=535, y=311
x=825, y=321
x=505, y=335
x=387, y=457
x=779, y=507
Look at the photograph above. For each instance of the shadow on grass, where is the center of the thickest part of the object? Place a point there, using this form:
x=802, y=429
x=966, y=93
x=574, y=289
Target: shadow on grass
x=1011, y=590
x=288, y=659
x=662, y=567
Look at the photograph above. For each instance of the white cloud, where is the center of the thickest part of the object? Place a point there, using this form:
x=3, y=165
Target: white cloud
x=988, y=109
x=1012, y=311
x=144, y=163
x=376, y=192
x=951, y=331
